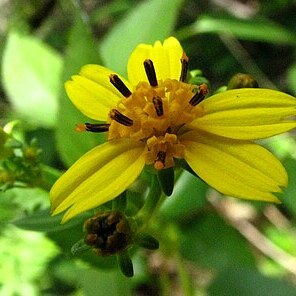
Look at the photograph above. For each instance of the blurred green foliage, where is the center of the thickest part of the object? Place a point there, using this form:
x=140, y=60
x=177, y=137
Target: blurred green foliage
x=43, y=43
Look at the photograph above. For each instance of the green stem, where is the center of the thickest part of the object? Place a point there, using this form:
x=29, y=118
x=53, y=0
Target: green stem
x=164, y=283
x=187, y=32
x=170, y=240
x=152, y=200
x=119, y=203
x=184, y=277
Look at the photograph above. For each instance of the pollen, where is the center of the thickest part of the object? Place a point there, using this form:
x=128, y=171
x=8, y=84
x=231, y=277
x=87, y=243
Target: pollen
x=156, y=113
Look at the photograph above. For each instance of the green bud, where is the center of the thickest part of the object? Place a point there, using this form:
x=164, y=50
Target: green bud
x=31, y=154
x=241, y=80
x=195, y=72
x=7, y=178
x=221, y=89
x=108, y=233
x=197, y=78
x=125, y=264
x=3, y=136
x=147, y=241
x=5, y=152
x=166, y=178
x=12, y=143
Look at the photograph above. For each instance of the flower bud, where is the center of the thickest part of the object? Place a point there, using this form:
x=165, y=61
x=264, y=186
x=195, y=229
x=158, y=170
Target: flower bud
x=6, y=180
x=31, y=153
x=108, y=233
x=241, y=80
x=5, y=151
x=197, y=78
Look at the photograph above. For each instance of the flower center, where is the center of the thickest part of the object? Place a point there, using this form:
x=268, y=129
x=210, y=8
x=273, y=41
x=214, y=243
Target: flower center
x=155, y=113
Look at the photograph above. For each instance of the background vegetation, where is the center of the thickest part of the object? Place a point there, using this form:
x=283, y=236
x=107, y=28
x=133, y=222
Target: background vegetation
x=209, y=245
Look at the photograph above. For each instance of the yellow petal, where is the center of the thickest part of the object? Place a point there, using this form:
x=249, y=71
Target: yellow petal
x=92, y=96
x=97, y=177
x=100, y=75
x=237, y=168
x=86, y=166
x=166, y=59
x=247, y=114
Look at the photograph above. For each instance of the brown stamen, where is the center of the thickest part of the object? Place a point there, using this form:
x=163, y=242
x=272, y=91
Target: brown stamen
x=118, y=83
x=157, y=102
x=89, y=127
x=199, y=95
x=160, y=161
x=184, y=61
x=120, y=118
x=150, y=72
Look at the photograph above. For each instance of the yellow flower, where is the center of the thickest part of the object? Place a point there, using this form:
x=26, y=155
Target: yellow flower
x=155, y=117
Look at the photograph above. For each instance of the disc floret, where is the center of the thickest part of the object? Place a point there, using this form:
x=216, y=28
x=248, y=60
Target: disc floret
x=156, y=114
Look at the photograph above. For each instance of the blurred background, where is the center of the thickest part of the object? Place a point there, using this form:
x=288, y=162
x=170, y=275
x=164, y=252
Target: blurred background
x=209, y=245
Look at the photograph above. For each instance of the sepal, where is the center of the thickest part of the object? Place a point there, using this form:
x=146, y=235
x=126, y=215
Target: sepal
x=80, y=247
x=166, y=178
x=146, y=241
x=125, y=264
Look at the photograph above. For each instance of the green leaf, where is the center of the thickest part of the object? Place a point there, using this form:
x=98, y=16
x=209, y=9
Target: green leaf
x=90, y=281
x=292, y=78
x=32, y=79
x=246, y=282
x=7, y=210
x=149, y=21
x=289, y=192
x=211, y=243
x=24, y=256
x=26, y=199
x=81, y=50
x=96, y=282
x=43, y=221
x=254, y=30
x=64, y=235
x=49, y=174
x=188, y=197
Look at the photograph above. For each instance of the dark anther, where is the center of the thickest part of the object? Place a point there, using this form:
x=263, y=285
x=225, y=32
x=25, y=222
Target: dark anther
x=150, y=72
x=157, y=102
x=120, y=118
x=90, y=127
x=161, y=157
x=199, y=95
x=118, y=83
x=184, y=61
x=97, y=128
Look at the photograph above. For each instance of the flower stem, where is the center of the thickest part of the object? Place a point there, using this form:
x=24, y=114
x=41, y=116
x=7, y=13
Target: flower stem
x=119, y=203
x=184, y=277
x=165, y=284
x=144, y=215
